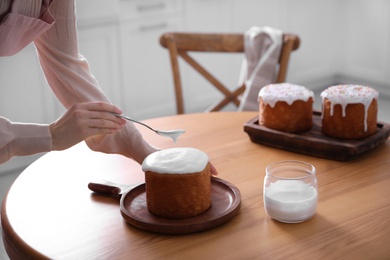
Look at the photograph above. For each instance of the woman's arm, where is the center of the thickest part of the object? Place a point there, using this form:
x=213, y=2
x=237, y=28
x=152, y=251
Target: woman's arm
x=68, y=74
x=79, y=122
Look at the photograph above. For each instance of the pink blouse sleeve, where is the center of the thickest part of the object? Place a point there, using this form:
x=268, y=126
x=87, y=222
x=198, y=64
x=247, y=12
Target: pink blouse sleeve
x=17, y=139
x=68, y=74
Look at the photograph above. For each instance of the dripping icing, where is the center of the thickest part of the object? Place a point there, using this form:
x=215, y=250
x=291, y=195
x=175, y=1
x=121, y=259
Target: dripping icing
x=349, y=94
x=286, y=92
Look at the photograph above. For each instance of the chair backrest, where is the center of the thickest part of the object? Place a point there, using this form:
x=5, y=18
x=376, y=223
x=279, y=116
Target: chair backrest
x=179, y=44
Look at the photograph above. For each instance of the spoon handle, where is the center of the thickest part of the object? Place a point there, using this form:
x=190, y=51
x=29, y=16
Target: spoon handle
x=135, y=121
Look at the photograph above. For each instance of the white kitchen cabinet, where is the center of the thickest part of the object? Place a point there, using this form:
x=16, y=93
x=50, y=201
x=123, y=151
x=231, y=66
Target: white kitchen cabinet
x=142, y=10
x=147, y=79
x=248, y=13
x=209, y=15
x=24, y=95
x=100, y=46
x=97, y=11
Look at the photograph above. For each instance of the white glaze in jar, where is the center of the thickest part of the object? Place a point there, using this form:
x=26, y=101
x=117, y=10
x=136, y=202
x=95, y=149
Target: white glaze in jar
x=290, y=191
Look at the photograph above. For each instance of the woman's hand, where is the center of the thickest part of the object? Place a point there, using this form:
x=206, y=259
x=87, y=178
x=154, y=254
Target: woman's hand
x=84, y=120
x=213, y=170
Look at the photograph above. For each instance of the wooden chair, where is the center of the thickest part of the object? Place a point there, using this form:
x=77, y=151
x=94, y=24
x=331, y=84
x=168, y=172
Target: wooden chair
x=179, y=44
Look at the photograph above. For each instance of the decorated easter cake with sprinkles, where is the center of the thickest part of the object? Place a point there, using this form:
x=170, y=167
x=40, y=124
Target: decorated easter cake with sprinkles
x=349, y=111
x=286, y=107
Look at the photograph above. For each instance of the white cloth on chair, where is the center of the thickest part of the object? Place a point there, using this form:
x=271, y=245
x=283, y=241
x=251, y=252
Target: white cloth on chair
x=262, y=47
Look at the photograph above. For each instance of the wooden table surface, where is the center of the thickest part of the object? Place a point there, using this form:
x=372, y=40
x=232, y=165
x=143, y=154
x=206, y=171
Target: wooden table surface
x=50, y=212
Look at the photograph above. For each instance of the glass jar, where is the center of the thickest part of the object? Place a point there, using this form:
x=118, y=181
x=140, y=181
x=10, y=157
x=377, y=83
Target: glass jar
x=290, y=191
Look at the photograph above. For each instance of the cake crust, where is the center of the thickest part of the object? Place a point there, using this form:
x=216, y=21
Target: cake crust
x=294, y=118
x=177, y=196
x=354, y=125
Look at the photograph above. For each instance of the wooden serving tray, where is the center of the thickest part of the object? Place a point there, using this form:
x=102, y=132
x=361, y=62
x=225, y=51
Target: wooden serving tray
x=313, y=142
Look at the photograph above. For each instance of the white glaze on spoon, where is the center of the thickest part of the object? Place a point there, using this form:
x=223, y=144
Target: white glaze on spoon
x=173, y=134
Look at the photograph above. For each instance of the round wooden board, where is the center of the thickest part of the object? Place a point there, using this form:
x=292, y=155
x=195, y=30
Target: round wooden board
x=225, y=198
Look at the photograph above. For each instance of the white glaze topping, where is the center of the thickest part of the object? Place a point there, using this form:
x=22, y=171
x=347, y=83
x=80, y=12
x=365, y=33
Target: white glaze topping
x=176, y=161
x=173, y=134
x=349, y=94
x=286, y=92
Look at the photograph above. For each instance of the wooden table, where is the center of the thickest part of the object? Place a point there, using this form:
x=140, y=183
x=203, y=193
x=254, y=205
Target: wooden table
x=50, y=212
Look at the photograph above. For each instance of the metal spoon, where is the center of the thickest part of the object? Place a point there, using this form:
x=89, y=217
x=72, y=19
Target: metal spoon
x=174, y=134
